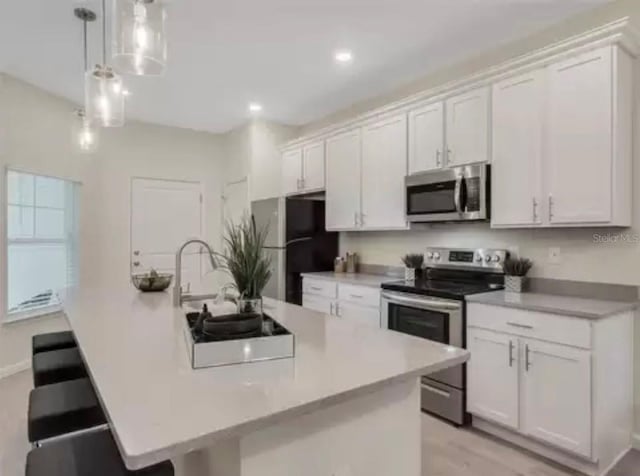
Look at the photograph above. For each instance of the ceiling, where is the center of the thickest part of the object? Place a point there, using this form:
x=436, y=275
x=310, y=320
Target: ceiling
x=224, y=54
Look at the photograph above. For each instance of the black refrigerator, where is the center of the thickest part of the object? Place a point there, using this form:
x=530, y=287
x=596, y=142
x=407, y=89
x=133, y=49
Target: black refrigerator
x=296, y=241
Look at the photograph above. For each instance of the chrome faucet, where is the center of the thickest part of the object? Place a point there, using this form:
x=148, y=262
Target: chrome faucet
x=178, y=296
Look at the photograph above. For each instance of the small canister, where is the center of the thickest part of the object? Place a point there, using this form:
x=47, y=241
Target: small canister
x=339, y=265
x=352, y=262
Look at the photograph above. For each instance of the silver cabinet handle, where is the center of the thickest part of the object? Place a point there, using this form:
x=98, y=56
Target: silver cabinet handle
x=437, y=391
x=337, y=309
x=315, y=288
x=362, y=215
x=457, y=194
x=535, y=209
x=527, y=362
x=356, y=296
x=302, y=183
x=355, y=218
x=447, y=159
x=421, y=302
x=521, y=326
x=438, y=158
x=550, y=208
x=136, y=263
x=511, y=359
x=331, y=308
x=136, y=253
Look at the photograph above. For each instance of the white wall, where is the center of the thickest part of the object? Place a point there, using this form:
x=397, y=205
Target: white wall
x=36, y=138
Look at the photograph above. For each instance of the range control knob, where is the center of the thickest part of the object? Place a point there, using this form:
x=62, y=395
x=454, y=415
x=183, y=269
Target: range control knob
x=496, y=259
x=436, y=256
x=429, y=255
x=487, y=259
x=478, y=259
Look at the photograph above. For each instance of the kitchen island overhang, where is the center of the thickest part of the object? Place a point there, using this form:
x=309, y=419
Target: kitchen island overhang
x=348, y=387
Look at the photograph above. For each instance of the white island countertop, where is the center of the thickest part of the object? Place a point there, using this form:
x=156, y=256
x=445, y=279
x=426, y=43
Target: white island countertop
x=159, y=407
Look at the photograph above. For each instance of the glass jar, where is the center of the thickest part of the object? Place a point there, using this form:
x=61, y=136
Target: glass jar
x=249, y=306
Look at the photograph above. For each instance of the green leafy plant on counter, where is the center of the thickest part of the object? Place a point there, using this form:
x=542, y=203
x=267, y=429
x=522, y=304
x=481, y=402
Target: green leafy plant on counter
x=245, y=259
x=413, y=260
x=517, y=266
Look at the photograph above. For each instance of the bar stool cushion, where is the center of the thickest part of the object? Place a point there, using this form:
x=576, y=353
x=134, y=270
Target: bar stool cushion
x=88, y=454
x=62, y=408
x=57, y=366
x=52, y=341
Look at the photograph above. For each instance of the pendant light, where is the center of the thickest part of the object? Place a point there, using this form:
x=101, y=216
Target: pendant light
x=84, y=135
x=139, y=37
x=104, y=98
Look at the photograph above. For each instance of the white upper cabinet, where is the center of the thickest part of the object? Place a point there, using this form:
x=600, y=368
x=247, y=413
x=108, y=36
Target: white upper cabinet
x=313, y=166
x=384, y=167
x=557, y=395
x=291, y=171
x=426, y=138
x=581, y=148
x=518, y=120
x=468, y=128
x=303, y=169
x=492, y=373
x=343, y=181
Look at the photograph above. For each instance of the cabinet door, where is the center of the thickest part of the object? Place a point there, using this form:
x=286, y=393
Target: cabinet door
x=384, y=168
x=343, y=181
x=556, y=398
x=468, y=128
x=368, y=316
x=317, y=303
x=492, y=376
x=313, y=166
x=291, y=171
x=518, y=112
x=579, y=139
x=426, y=138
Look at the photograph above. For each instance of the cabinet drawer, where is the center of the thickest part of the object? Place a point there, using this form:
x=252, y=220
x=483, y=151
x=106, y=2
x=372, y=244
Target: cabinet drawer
x=536, y=325
x=320, y=287
x=362, y=295
x=317, y=303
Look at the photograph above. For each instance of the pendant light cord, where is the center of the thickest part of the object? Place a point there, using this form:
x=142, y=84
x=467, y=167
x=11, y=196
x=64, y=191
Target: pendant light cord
x=84, y=39
x=104, y=33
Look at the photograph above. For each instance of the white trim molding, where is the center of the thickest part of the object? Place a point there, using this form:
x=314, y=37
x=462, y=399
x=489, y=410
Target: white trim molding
x=10, y=370
x=618, y=32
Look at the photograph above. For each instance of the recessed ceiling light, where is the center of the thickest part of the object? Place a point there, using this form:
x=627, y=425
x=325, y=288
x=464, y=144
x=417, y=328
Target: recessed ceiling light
x=343, y=56
x=255, y=107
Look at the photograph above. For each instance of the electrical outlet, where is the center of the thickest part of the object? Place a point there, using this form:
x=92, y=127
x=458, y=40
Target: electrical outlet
x=554, y=256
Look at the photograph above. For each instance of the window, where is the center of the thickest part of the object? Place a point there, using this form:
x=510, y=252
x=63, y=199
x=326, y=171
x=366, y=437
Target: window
x=42, y=231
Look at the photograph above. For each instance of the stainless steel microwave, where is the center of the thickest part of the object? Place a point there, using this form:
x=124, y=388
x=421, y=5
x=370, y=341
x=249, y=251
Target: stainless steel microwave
x=455, y=194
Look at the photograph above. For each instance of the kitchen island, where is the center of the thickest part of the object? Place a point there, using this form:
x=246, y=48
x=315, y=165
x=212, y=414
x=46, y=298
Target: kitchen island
x=348, y=404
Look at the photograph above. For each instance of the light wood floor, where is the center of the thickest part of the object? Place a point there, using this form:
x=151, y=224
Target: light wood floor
x=447, y=451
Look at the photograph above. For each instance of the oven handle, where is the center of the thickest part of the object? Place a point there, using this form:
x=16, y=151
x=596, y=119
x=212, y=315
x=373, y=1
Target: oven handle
x=457, y=194
x=422, y=303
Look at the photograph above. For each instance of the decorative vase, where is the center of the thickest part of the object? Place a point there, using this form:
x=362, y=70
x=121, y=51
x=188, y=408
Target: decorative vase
x=515, y=284
x=419, y=274
x=409, y=274
x=250, y=306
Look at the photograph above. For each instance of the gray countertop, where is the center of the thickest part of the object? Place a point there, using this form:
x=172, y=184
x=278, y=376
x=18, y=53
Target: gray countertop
x=359, y=279
x=565, y=305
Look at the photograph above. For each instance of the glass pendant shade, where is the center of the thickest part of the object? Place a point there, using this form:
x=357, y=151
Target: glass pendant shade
x=104, y=97
x=139, y=37
x=84, y=136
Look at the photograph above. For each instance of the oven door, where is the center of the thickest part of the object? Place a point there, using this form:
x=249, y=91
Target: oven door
x=431, y=318
x=456, y=194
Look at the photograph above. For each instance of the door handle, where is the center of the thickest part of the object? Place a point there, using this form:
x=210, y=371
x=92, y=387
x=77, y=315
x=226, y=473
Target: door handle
x=527, y=361
x=457, y=194
x=447, y=159
x=521, y=326
x=535, y=209
x=357, y=296
x=511, y=359
x=437, y=391
x=331, y=308
x=438, y=157
x=337, y=309
x=550, y=208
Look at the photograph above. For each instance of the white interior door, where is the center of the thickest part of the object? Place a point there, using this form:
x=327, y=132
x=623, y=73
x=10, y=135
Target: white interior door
x=165, y=214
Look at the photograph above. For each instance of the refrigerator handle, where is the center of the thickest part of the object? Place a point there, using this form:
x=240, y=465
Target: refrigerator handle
x=298, y=240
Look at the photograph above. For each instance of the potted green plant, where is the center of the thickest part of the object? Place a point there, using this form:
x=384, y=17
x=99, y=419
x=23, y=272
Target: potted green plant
x=516, y=270
x=413, y=263
x=244, y=258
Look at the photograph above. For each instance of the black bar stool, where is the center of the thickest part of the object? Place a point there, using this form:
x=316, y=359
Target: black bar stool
x=57, y=366
x=62, y=408
x=52, y=341
x=88, y=454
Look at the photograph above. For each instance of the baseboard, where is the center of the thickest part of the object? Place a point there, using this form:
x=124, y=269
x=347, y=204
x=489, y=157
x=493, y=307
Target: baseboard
x=15, y=368
x=635, y=441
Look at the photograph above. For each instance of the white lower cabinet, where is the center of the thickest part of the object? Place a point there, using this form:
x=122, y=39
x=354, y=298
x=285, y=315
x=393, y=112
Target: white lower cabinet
x=556, y=395
x=558, y=385
x=493, y=376
x=360, y=304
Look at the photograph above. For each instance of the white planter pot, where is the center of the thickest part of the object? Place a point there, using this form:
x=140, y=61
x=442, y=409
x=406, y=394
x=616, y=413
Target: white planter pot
x=409, y=274
x=515, y=284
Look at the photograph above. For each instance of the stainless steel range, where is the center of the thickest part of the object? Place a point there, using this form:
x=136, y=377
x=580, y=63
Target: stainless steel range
x=434, y=308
